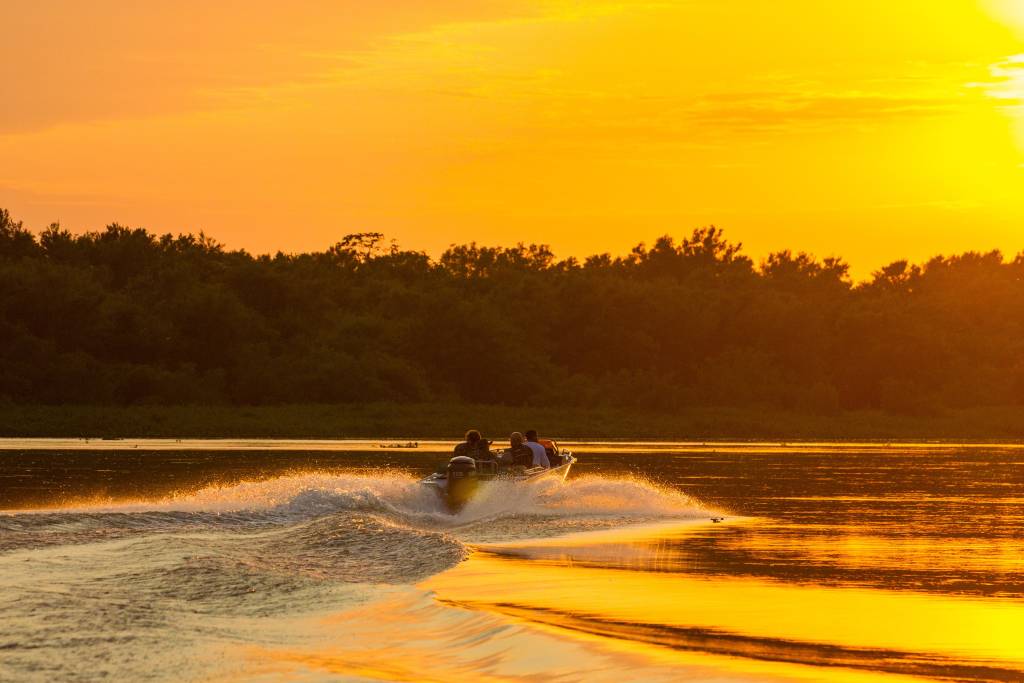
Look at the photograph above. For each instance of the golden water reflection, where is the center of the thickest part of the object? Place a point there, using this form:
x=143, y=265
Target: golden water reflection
x=603, y=584
x=835, y=561
x=414, y=637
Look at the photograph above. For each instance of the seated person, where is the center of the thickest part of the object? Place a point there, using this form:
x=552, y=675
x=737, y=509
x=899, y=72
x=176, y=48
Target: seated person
x=519, y=453
x=483, y=450
x=540, y=456
x=470, y=445
x=475, y=446
x=551, y=448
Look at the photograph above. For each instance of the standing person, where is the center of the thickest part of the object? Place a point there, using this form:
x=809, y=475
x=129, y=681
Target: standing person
x=540, y=456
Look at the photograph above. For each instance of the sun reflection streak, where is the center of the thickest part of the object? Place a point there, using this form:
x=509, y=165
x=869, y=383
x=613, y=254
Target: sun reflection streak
x=913, y=633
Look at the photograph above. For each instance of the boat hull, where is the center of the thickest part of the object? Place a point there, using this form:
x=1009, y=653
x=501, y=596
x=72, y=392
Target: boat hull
x=457, y=492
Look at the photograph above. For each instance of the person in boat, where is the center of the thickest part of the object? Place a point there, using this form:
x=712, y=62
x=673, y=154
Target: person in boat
x=475, y=446
x=540, y=455
x=519, y=454
x=483, y=450
x=551, y=448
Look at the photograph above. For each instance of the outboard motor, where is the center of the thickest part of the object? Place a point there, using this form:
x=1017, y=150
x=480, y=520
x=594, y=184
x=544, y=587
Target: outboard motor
x=462, y=480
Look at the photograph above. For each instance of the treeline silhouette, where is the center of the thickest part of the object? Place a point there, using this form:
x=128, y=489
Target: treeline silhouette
x=123, y=316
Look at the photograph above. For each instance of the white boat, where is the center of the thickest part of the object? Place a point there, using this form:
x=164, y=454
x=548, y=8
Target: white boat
x=463, y=476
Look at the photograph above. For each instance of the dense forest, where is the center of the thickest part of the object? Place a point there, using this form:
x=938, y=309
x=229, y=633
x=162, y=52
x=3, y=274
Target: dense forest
x=123, y=316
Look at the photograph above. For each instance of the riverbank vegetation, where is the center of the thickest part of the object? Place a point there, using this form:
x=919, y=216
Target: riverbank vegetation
x=413, y=421
x=122, y=317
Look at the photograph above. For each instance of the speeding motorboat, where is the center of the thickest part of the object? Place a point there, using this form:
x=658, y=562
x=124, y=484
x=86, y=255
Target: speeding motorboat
x=458, y=480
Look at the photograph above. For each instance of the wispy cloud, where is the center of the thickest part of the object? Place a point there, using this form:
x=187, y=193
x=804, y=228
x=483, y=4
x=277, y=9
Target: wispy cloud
x=1007, y=81
x=782, y=109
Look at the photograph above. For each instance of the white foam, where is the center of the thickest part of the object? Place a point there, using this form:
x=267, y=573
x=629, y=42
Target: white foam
x=590, y=496
x=311, y=495
x=315, y=492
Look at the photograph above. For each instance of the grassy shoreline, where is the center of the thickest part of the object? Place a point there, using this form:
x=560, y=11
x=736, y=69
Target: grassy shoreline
x=449, y=421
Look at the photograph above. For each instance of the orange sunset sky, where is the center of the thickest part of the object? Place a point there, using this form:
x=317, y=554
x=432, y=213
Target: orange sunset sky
x=869, y=129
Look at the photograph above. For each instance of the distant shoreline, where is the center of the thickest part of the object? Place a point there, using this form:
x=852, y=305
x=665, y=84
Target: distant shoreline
x=449, y=421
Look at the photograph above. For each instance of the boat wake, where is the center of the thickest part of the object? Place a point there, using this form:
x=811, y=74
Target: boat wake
x=123, y=579
x=501, y=511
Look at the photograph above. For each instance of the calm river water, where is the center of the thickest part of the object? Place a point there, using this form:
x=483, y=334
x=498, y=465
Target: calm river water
x=319, y=560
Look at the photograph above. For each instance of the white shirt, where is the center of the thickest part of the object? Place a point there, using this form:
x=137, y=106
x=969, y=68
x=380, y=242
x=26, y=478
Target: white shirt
x=540, y=456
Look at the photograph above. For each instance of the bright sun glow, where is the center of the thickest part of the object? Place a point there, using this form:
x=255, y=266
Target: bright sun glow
x=1007, y=88
x=1009, y=80
x=1009, y=11
x=839, y=128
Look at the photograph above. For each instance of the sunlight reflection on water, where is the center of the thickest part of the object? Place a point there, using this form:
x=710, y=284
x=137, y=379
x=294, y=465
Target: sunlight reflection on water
x=834, y=561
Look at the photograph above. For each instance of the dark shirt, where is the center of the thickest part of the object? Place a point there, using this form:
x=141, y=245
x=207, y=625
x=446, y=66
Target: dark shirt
x=477, y=451
x=521, y=455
